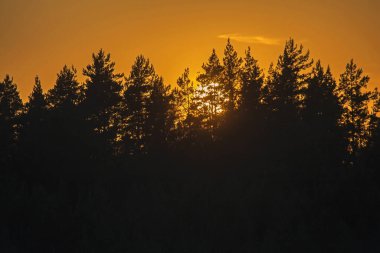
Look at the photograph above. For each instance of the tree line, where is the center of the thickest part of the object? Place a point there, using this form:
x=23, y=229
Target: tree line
x=291, y=152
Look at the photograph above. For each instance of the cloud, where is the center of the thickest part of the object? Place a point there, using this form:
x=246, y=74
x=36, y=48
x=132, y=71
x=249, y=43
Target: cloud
x=250, y=39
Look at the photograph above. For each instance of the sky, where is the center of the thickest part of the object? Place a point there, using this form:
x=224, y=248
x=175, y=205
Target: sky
x=38, y=37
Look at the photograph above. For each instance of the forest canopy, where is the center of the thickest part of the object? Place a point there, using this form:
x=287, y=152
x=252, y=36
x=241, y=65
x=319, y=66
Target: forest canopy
x=293, y=152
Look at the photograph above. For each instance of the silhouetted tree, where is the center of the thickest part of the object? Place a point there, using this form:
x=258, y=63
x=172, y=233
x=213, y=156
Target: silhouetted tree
x=10, y=108
x=67, y=124
x=371, y=155
x=160, y=117
x=102, y=96
x=283, y=98
x=356, y=117
x=190, y=114
x=37, y=104
x=34, y=140
x=209, y=96
x=321, y=114
x=252, y=81
x=321, y=98
x=230, y=76
x=137, y=97
x=185, y=116
x=66, y=91
x=286, y=82
x=184, y=96
x=241, y=130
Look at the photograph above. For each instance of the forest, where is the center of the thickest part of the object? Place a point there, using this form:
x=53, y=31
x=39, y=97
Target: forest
x=238, y=160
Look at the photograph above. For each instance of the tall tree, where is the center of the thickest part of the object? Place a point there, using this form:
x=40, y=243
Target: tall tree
x=160, y=118
x=10, y=108
x=321, y=114
x=185, y=93
x=102, y=95
x=373, y=158
x=136, y=98
x=33, y=138
x=67, y=125
x=182, y=101
x=209, y=97
x=321, y=98
x=286, y=82
x=355, y=99
x=252, y=80
x=37, y=104
x=283, y=101
x=230, y=76
x=66, y=91
x=243, y=130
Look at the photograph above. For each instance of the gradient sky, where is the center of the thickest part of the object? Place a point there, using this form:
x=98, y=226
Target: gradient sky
x=40, y=36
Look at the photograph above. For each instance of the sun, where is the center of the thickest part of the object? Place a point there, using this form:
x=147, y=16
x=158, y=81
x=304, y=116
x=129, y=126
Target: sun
x=211, y=98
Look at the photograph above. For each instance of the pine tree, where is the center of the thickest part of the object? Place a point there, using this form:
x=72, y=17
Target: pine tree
x=136, y=98
x=230, y=76
x=148, y=110
x=252, y=80
x=160, y=119
x=102, y=96
x=321, y=114
x=283, y=102
x=37, y=104
x=67, y=124
x=209, y=97
x=10, y=108
x=372, y=154
x=185, y=93
x=321, y=98
x=242, y=130
x=286, y=82
x=34, y=140
x=66, y=91
x=355, y=99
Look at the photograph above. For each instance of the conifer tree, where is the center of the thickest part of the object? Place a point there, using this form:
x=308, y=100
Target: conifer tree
x=102, y=96
x=34, y=140
x=252, y=80
x=321, y=114
x=373, y=158
x=10, y=108
x=355, y=99
x=209, y=97
x=286, y=82
x=67, y=124
x=185, y=93
x=37, y=104
x=66, y=91
x=321, y=98
x=185, y=110
x=136, y=97
x=230, y=76
x=243, y=129
x=160, y=118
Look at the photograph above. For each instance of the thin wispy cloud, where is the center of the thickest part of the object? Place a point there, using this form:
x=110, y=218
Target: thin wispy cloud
x=251, y=39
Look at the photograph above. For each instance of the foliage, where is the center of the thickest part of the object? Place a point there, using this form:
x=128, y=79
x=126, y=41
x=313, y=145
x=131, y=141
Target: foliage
x=233, y=161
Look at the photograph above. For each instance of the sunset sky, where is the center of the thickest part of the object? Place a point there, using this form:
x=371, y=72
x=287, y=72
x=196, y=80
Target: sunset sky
x=40, y=36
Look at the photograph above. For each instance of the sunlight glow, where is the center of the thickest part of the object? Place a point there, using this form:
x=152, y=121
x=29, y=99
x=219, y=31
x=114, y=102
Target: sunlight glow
x=211, y=97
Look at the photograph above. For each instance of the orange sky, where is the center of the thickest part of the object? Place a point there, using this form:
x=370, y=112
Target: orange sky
x=40, y=36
